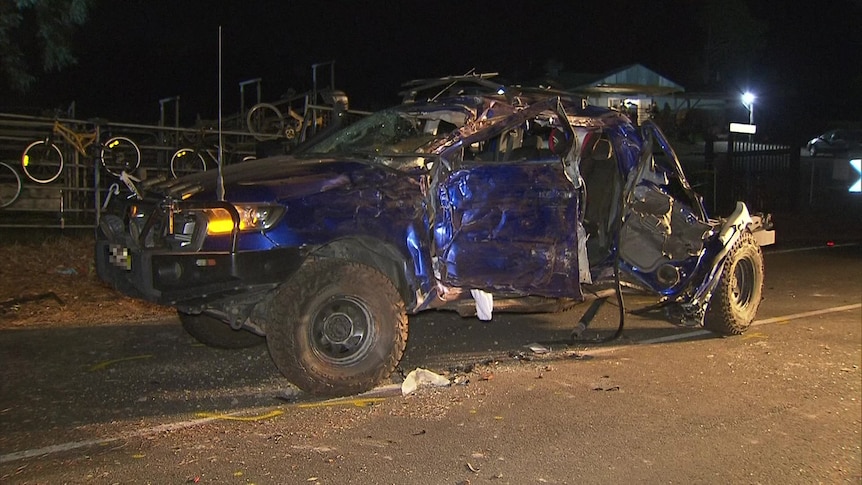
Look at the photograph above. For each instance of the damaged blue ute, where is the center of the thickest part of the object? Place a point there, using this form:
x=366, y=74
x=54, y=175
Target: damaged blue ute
x=479, y=201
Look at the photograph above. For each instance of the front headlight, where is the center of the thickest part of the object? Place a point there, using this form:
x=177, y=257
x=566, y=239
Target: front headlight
x=252, y=217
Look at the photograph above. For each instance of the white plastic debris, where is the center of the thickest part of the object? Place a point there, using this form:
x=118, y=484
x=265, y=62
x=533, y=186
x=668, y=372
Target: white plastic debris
x=484, y=304
x=583, y=258
x=420, y=377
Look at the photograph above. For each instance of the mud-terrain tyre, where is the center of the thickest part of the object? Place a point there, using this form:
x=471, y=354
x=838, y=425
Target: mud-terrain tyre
x=735, y=301
x=336, y=327
x=213, y=332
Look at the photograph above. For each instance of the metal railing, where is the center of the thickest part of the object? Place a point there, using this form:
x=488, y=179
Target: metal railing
x=73, y=200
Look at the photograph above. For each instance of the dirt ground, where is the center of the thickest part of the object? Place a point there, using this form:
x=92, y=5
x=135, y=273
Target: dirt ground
x=54, y=284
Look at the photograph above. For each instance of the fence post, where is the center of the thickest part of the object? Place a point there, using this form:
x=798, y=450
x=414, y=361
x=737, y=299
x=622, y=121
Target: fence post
x=795, y=164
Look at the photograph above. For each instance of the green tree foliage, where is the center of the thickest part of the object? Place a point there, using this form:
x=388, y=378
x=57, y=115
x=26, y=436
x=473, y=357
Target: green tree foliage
x=36, y=35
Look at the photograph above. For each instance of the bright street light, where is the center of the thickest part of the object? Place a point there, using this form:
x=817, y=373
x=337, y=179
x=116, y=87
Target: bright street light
x=748, y=102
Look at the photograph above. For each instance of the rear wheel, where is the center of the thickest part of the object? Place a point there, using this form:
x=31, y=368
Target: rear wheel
x=735, y=301
x=265, y=122
x=213, y=332
x=186, y=161
x=120, y=154
x=336, y=327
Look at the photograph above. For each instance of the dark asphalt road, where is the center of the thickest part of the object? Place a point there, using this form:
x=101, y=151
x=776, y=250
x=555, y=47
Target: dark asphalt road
x=145, y=404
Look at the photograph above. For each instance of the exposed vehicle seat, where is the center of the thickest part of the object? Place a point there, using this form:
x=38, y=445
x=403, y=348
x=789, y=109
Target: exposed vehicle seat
x=601, y=179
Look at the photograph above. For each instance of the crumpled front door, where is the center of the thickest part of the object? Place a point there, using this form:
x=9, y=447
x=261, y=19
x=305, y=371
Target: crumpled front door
x=509, y=227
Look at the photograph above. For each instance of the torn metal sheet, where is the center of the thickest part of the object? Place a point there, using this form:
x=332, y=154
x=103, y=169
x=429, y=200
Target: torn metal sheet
x=487, y=196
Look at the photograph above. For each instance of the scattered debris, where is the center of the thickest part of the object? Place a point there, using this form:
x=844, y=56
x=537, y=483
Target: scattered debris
x=420, y=377
x=604, y=386
x=544, y=369
x=460, y=380
x=537, y=348
x=14, y=302
x=609, y=388
x=518, y=355
x=463, y=368
x=289, y=395
x=472, y=468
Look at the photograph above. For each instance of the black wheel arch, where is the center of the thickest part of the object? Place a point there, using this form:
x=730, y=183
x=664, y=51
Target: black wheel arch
x=378, y=254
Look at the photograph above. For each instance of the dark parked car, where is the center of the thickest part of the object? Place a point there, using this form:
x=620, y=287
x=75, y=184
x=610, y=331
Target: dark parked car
x=835, y=142
x=521, y=195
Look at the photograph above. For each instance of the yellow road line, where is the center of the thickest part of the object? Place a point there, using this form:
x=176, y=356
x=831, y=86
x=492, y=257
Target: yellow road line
x=102, y=365
x=358, y=402
x=233, y=417
x=808, y=314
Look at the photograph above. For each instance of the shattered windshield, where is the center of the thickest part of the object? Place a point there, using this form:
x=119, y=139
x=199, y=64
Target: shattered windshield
x=392, y=132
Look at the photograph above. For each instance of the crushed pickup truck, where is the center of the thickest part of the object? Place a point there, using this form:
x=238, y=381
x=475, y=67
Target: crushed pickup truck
x=492, y=194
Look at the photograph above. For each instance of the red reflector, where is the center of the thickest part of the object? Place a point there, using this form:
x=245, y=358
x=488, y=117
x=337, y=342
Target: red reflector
x=830, y=243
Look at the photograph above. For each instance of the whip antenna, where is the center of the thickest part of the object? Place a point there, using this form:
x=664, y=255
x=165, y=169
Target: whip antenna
x=220, y=178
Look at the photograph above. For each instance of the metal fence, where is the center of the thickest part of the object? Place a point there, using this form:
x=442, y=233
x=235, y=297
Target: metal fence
x=769, y=177
x=764, y=175
x=73, y=200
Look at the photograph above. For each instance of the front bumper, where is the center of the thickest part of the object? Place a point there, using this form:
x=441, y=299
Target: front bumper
x=171, y=277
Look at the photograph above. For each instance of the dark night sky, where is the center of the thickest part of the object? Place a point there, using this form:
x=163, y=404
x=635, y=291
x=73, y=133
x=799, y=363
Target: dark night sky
x=132, y=53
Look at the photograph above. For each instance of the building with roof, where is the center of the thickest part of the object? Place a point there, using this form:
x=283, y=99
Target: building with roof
x=643, y=93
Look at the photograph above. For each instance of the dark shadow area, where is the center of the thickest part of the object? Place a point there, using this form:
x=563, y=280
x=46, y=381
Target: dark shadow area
x=56, y=380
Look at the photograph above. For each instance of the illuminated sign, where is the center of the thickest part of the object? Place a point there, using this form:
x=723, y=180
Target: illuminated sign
x=857, y=165
x=743, y=128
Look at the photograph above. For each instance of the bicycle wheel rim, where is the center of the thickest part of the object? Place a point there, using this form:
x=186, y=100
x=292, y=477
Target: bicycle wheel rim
x=187, y=161
x=265, y=122
x=42, y=162
x=10, y=185
x=120, y=154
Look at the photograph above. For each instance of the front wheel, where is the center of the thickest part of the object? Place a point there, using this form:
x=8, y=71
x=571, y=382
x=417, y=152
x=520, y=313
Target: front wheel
x=42, y=161
x=735, y=301
x=213, y=332
x=336, y=327
x=120, y=154
x=10, y=185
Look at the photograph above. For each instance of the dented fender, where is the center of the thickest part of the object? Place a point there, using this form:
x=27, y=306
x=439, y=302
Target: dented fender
x=730, y=231
x=733, y=227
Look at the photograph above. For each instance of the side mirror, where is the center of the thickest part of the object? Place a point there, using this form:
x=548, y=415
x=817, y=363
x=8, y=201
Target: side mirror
x=560, y=142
